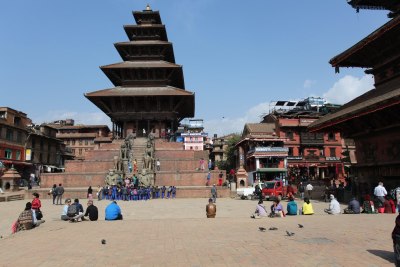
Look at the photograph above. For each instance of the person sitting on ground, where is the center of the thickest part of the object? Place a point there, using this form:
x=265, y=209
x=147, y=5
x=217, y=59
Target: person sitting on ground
x=260, y=211
x=276, y=209
x=368, y=205
x=291, y=207
x=92, y=211
x=211, y=209
x=70, y=213
x=334, y=206
x=27, y=219
x=396, y=239
x=389, y=205
x=307, y=208
x=353, y=208
x=113, y=212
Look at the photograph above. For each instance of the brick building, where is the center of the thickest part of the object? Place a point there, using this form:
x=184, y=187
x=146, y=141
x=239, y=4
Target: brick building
x=311, y=155
x=13, y=136
x=261, y=152
x=81, y=138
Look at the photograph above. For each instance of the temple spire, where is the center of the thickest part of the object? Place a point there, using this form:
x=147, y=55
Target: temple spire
x=148, y=8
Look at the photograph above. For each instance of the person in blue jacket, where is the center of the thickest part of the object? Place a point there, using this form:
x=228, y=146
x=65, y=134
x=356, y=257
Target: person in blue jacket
x=113, y=212
x=291, y=207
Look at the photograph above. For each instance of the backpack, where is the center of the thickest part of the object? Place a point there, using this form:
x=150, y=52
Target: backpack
x=72, y=210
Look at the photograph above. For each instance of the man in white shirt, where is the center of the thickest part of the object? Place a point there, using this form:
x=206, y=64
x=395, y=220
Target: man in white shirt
x=309, y=189
x=334, y=206
x=380, y=192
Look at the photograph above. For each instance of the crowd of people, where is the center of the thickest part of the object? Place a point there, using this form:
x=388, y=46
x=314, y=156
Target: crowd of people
x=135, y=193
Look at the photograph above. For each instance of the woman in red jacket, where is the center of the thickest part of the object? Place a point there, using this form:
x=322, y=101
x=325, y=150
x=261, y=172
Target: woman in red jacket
x=36, y=205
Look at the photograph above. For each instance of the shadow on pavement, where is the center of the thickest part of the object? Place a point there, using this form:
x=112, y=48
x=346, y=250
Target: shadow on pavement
x=386, y=255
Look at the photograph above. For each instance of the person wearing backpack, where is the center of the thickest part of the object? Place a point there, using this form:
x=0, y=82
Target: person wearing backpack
x=70, y=212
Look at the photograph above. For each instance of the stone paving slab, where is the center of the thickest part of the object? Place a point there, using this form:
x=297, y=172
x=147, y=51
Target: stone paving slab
x=176, y=233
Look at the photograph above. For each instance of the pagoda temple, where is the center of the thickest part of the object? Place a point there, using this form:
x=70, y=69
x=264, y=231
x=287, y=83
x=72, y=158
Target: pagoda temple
x=372, y=119
x=149, y=94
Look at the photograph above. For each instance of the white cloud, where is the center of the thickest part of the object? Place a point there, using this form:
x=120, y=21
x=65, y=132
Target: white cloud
x=309, y=83
x=93, y=118
x=228, y=125
x=348, y=88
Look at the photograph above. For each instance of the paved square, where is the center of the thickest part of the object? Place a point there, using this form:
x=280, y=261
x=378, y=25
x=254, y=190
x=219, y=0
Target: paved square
x=176, y=233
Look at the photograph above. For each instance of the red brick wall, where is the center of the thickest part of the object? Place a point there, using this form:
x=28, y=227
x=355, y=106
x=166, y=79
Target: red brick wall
x=179, y=165
x=89, y=166
x=73, y=179
x=186, y=178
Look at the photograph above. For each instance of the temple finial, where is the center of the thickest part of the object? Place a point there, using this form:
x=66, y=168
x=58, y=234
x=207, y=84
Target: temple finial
x=148, y=8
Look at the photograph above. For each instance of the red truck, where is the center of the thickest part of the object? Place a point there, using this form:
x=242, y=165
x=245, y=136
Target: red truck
x=273, y=189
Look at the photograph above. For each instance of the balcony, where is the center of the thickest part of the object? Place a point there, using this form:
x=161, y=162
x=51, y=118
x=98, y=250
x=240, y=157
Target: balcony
x=311, y=138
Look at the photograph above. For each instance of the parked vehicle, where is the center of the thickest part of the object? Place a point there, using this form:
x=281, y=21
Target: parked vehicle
x=248, y=192
x=273, y=189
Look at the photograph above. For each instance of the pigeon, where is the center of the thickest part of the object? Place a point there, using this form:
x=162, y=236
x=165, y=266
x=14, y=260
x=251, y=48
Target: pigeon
x=262, y=229
x=273, y=228
x=103, y=241
x=301, y=226
x=289, y=233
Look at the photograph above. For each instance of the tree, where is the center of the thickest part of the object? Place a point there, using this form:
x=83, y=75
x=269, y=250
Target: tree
x=230, y=162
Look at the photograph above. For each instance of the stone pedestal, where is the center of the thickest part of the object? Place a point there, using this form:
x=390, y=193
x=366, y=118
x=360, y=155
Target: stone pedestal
x=241, y=177
x=10, y=180
x=233, y=187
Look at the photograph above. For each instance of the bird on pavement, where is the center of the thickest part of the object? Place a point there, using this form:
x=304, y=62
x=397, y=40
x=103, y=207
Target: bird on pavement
x=103, y=241
x=289, y=233
x=301, y=226
x=273, y=228
x=262, y=229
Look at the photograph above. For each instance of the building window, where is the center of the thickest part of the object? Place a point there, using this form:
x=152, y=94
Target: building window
x=73, y=151
x=332, y=152
x=49, y=148
x=17, y=121
x=19, y=137
x=18, y=155
x=290, y=152
x=80, y=151
x=8, y=154
x=33, y=143
x=73, y=142
x=9, y=135
x=331, y=136
x=41, y=145
x=321, y=153
x=1, y=132
x=301, y=151
x=86, y=142
x=48, y=158
x=3, y=115
x=289, y=135
x=80, y=142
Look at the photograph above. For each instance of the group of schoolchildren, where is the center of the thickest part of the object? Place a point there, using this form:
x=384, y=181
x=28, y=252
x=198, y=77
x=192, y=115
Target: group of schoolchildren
x=135, y=193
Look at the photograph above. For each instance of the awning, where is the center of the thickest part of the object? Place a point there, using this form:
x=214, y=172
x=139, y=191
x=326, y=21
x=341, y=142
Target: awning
x=271, y=170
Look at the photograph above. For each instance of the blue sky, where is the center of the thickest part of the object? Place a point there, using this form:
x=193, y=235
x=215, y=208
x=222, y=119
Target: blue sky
x=237, y=56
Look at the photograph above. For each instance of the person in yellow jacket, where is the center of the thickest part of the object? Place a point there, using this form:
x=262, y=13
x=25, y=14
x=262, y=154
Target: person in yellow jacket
x=307, y=207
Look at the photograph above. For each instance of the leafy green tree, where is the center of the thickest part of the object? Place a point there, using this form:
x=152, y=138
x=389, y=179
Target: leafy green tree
x=230, y=162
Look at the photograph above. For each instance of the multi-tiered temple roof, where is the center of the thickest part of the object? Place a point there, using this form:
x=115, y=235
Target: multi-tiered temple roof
x=149, y=90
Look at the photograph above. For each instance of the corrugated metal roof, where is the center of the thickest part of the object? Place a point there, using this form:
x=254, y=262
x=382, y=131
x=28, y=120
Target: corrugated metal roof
x=260, y=127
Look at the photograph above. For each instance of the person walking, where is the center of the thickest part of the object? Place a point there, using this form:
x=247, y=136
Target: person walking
x=380, y=193
x=158, y=165
x=60, y=193
x=54, y=193
x=208, y=178
x=214, y=193
x=90, y=193
x=309, y=189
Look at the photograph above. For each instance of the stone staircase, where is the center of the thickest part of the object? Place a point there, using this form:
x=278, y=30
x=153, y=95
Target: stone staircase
x=139, y=148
